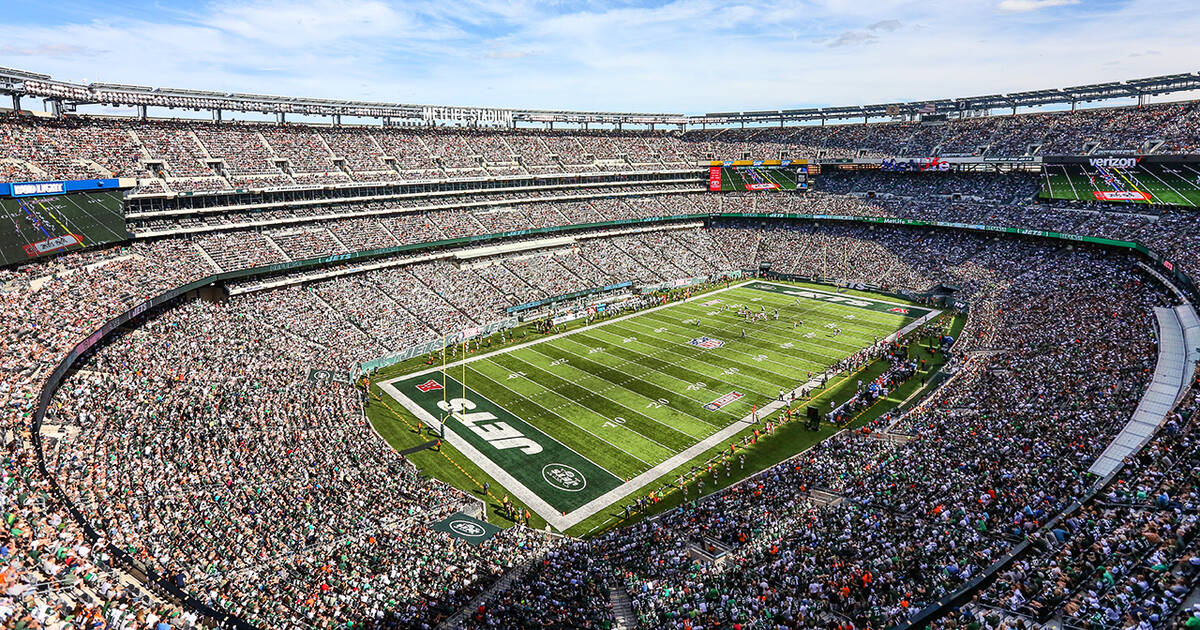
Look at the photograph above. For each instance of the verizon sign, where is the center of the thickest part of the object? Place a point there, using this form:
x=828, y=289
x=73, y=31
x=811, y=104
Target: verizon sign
x=1114, y=162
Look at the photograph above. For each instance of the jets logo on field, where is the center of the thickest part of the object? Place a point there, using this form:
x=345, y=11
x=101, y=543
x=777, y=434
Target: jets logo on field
x=564, y=477
x=467, y=528
x=710, y=303
x=897, y=309
x=708, y=343
x=429, y=386
x=500, y=435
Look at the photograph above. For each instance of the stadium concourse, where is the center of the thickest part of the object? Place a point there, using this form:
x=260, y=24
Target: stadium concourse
x=193, y=444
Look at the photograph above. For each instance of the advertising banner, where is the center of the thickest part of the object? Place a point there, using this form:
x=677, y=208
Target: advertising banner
x=35, y=189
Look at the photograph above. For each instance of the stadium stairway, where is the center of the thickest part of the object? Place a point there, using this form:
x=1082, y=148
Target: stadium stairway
x=824, y=498
x=454, y=621
x=887, y=436
x=205, y=255
x=622, y=608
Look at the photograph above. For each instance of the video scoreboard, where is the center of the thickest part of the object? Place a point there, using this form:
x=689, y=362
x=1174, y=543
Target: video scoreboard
x=46, y=218
x=1172, y=180
x=758, y=175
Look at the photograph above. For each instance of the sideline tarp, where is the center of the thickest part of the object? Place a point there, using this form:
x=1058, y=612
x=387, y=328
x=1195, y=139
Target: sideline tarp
x=467, y=528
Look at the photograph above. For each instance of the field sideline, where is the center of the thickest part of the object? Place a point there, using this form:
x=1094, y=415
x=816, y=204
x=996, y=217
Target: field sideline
x=573, y=423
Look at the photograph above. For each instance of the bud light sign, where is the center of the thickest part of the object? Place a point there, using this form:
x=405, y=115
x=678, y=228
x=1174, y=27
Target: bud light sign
x=37, y=189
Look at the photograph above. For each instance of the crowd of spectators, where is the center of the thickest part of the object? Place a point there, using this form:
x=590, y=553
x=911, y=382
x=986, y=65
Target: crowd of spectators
x=1128, y=557
x=196, y=443
x=202, y=155
x=201, y=449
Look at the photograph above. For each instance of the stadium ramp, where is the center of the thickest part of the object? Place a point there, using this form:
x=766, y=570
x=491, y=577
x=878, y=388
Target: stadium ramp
x=1178, y=351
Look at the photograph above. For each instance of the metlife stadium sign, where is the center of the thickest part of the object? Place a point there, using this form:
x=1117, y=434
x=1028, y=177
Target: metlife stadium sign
x=36, y=189
x=467, y=114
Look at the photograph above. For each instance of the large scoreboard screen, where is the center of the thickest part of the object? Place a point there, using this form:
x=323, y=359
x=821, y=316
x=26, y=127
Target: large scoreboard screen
x=45, y=218
x=758, y=175
x=1172, y=180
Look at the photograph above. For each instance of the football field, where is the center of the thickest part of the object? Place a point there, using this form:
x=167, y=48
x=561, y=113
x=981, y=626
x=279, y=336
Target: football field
x=1175, y=185
x=572, y=423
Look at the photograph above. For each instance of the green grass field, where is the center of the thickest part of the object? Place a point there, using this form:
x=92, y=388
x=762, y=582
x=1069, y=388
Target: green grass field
x=572, y=424
x=743, y=178
x=1174, y=185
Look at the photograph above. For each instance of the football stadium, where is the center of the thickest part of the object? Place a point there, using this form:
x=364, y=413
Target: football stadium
x=284, y=349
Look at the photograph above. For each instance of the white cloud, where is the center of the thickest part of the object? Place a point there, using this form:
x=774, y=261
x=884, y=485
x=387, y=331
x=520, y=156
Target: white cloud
x=682, y=56
x=852, y=38
x=1021, y=6
x=47, y=50
x=509, y=54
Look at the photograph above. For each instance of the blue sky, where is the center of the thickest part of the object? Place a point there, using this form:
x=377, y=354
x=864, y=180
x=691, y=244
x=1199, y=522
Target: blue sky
x=685, y=56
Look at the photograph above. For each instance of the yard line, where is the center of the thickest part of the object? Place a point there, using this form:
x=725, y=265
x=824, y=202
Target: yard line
x=600, y=394
x=1191, y=169
x=1195, y=187
x=569, y=421
x=98, y=223
x=736, y=350
x=787, y=298
x=821, y=307
x=631, y=377
x=1072, y=184
x=567, y=334
x=563, y=522
x=1172, y=188
x=654, y=355
x=770, y=330
x=621, y=385
x=722, y=359
x=857, y=325
x=511, y=483
x=737, y=320
x=638, y=360
x=1132, y=185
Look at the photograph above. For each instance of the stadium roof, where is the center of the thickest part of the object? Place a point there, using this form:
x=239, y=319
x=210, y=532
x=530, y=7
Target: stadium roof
x=22, y=83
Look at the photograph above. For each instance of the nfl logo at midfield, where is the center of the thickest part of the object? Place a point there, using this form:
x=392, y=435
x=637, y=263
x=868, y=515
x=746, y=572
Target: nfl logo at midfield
x=708, y=343
x=722, y=401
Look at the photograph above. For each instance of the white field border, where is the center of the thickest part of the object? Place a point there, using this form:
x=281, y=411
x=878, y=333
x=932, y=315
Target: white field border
x=563, y=522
